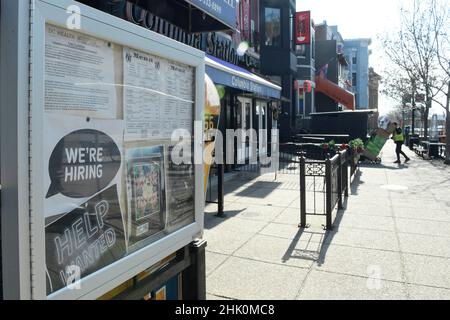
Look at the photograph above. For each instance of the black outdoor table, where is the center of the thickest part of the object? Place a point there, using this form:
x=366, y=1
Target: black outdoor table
x=339, y=138
x=317, y=139
x=434, y=149
x=301, y=135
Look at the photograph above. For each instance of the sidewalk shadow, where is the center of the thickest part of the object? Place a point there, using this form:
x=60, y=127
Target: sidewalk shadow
x=258, y=189
x=330, y=234
x=264, y=189
x=394, y=166
x=304, y=254
x=212, y=220
x=315, y=251
x=356, y=182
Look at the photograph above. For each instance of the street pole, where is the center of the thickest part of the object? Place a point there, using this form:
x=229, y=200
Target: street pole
x=447, y=124
x=413, y=104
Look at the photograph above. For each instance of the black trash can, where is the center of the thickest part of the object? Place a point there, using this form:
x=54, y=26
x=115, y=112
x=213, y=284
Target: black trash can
x=407, y=135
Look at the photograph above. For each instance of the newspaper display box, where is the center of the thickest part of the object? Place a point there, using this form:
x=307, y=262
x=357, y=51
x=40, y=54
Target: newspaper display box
x=106, y=199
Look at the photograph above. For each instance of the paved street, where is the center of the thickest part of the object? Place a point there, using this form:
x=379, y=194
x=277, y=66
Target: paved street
x=392, y=241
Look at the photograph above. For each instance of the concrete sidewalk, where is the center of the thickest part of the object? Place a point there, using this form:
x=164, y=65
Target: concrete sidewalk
x=391, y=242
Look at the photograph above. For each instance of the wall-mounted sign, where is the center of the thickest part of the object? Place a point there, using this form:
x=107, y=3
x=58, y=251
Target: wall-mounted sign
x=211, y=42
x=224, y=49
x=232, y=76
x=303, y=27
x=222, y=10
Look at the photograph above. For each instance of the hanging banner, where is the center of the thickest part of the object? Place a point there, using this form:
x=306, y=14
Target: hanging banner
x=246, y=19
x=303, y=27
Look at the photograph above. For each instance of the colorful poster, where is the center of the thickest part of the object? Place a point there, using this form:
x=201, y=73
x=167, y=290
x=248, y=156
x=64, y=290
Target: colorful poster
x=79, y=74
x=145, y=192
x=303, y=27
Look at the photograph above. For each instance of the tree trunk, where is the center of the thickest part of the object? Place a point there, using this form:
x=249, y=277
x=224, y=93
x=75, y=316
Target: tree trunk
x=427, y=111
x=447, y=128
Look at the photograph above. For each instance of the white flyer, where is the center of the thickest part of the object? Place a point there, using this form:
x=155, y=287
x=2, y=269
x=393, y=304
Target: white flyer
x=158, y=96
x=79, y=74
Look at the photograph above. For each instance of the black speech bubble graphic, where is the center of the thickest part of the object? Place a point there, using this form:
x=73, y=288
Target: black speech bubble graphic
x=83, y=163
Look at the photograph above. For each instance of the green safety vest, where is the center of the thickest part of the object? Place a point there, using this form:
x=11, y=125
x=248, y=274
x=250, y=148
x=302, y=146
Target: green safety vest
x=398, y=136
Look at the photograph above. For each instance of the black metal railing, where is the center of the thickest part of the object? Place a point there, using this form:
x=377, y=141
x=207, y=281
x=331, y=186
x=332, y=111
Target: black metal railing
x=328, y=181
x=324, y=178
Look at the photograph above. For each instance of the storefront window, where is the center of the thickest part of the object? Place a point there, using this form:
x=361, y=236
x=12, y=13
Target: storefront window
x=273, y=27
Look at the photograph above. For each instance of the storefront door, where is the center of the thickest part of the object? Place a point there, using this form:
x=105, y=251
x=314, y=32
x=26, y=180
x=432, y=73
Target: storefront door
x=244, y=112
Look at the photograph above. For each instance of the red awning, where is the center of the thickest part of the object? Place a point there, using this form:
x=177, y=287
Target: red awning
x=338, y=94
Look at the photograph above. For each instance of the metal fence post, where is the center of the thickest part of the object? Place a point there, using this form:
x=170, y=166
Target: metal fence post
x=302, y=192
x=220, y=190
x=339, y=172
x=329, y=190
x=194, y=277
x=345, y=178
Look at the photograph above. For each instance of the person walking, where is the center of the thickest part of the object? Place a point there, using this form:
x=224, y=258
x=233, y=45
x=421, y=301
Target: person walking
x=398, y=138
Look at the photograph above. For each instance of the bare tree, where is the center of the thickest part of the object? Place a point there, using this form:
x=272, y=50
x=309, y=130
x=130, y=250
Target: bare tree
x=441, y=21
x=399, y=87
x=397, y=114
x=413, y=49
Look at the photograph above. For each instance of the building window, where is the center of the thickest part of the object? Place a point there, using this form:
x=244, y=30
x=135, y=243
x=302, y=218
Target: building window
x=273, y=27
x=300, y=50
x=354, y=61
x=354, y=79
